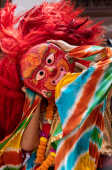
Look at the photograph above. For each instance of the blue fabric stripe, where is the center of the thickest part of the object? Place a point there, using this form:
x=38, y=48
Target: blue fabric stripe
x=69, y=95
x=100, y=93
x=80, y=147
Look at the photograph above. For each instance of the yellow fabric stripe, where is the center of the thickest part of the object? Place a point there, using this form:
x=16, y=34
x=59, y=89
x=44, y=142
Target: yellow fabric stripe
x=67, y=79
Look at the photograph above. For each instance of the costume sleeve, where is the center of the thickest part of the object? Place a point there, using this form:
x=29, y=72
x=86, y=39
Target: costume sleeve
x=81, y=104
x=11, y=156
x=90, y=53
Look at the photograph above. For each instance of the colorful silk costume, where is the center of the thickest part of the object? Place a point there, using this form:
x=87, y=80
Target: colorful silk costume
x=83, y=125
x=38, y=64
x=103, y=73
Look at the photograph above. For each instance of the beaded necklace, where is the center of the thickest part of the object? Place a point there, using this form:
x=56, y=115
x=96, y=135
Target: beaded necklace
x=43, y=163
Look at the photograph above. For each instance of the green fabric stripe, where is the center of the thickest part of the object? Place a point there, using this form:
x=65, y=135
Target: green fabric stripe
x=21, y=126
x=31, y=96
x=11, y=168
x=95, y=137
x=58, y=129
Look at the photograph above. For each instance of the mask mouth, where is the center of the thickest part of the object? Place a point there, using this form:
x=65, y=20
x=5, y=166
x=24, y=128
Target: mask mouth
x=62, y=74
x=47, y=94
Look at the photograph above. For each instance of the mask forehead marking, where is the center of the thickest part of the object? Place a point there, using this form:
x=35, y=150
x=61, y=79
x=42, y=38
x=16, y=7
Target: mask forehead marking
x=42, y=49
x=29, y=63
x=32, y=60
x=52, y=50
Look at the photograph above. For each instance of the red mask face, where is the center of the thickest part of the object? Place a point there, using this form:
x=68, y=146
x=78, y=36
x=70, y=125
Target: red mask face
x=43, y=66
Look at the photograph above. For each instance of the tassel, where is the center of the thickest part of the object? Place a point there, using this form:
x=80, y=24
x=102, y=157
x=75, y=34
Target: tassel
x=48, y=162
x=41, y=150
x=45, y=134
x=50, y=110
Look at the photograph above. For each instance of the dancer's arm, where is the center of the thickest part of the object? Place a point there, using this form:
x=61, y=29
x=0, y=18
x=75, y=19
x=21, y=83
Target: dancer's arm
x=30, y=139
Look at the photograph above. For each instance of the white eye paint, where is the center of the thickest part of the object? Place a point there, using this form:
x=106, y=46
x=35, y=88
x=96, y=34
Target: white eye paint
x=40, y=75
x=50, y=59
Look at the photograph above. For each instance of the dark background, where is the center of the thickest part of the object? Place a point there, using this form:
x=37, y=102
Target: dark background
x=99, y=10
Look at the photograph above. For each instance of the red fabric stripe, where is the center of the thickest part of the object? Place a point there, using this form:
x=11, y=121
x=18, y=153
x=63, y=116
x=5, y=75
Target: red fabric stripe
x=93, y=151
x=68, y=143
x=11, y=157
x=83, y=102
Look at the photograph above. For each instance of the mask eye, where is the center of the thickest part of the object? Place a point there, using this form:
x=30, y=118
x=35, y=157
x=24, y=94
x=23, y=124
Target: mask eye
x=40, y=75
x=50, y=59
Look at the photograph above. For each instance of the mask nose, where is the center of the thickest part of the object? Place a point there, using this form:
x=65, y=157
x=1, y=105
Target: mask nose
x=52, y=71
